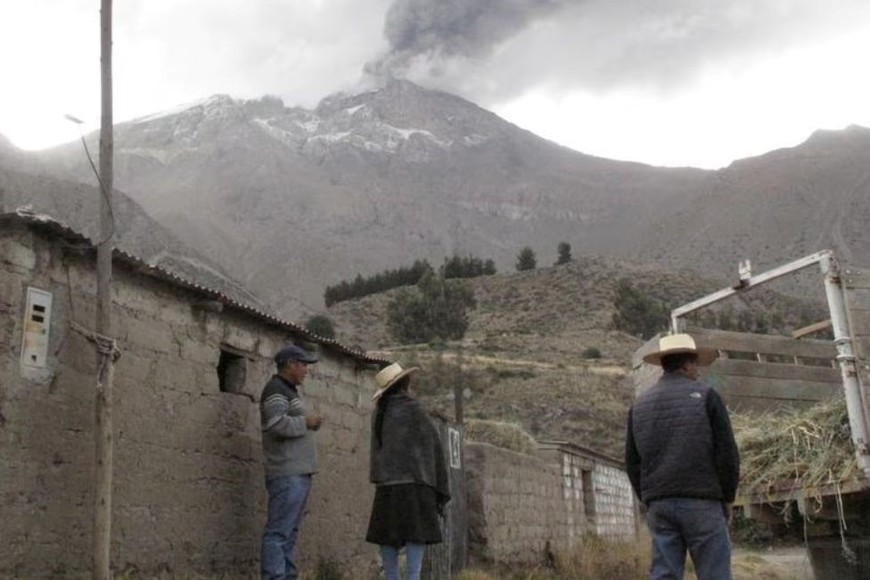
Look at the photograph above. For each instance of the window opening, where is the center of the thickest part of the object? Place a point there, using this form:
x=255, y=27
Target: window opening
x=232, y=371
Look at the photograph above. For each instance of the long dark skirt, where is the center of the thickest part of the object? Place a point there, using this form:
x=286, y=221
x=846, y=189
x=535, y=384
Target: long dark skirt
x=404, y=514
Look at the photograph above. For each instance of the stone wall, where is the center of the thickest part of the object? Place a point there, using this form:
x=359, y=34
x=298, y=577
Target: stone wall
x=525, y=508
x=516, y=511
x=188, y=480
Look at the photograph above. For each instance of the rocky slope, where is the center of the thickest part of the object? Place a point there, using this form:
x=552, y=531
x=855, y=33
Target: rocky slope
x=292, y=199
x=289, y=200
x=25, y=184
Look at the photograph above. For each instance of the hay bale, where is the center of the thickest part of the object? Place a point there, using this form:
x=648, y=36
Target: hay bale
x=501, y=434
x=798, y=449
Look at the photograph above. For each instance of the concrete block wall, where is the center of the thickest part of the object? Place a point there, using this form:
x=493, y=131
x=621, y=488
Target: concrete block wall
x=522, y=507
x=615, y=510
x=516, y=510
x=188, y=480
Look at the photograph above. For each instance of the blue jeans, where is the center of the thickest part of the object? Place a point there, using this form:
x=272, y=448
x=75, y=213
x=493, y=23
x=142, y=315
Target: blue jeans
x=696, y=525
x=414, y=556
x=287, y=497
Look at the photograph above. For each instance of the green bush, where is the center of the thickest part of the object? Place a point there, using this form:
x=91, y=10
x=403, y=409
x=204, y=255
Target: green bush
x=591, y=352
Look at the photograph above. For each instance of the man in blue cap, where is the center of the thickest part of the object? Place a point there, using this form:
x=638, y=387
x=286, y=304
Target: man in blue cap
x=290, y=458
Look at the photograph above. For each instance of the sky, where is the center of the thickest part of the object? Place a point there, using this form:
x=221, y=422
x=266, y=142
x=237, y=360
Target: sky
x=666, y=82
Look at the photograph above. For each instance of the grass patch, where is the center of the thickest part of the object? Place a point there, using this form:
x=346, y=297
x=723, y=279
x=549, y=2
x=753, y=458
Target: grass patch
x=501, y=434
x=599, y=558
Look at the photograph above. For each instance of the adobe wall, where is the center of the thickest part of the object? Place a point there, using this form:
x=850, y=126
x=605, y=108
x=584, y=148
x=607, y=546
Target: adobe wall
x=188, y=480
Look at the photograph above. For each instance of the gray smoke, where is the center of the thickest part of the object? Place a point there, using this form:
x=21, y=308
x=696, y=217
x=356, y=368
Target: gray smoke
x=492, y=50
x=439, y=29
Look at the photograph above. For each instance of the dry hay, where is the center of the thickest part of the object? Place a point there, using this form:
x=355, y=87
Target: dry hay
x=501, y=434
x=799, y=449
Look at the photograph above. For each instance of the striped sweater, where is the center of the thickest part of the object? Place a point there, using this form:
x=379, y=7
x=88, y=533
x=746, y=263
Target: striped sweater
x=288, y=445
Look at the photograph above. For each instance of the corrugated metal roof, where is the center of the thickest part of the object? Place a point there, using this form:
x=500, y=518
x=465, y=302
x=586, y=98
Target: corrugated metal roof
x=49, y=225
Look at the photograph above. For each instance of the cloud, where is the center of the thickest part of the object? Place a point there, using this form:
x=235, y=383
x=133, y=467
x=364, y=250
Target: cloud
x=300, y=50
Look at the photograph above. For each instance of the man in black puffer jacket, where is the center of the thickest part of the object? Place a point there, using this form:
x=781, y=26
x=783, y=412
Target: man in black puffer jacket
x=683, y=463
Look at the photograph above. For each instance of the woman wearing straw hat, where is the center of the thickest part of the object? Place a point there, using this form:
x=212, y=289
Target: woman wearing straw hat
x=410, y=472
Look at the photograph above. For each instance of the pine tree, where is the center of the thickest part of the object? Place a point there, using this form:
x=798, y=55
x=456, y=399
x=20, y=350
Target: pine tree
x=526, y=260
x=564, y=253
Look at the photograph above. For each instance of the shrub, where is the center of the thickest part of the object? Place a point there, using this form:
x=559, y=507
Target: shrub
x=591, y=352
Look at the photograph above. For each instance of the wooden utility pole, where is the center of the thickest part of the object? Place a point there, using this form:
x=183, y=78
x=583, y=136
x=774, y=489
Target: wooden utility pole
x=103, y=429
x=459, y=392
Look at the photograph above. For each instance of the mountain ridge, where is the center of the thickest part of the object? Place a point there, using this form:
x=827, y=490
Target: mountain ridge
x=290, y=200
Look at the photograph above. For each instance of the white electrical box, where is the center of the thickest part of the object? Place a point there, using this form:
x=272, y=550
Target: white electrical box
x=37, y=323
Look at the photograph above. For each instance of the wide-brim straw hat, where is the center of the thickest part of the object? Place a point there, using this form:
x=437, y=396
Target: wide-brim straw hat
x=681, y=343
x=389, y=376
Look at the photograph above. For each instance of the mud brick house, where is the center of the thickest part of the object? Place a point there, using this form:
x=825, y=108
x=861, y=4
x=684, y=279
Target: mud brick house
x=188, y=481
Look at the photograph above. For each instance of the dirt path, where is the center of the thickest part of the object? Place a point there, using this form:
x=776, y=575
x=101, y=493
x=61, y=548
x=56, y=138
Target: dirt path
x=606, y=370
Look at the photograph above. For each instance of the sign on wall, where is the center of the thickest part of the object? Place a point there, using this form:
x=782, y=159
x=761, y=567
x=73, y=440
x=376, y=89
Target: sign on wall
x=455, y=448
x=37, y=322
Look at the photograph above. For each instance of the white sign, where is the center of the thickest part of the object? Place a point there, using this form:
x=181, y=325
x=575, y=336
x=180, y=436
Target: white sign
x=455, y=448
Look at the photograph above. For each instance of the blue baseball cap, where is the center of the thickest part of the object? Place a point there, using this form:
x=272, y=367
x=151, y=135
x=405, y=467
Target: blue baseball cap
x=293, y=352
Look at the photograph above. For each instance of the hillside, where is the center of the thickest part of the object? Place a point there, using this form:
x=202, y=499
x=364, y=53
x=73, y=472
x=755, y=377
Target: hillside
x=77, y=205
x=774, y=208
x=366, y=180
x=525, y=358
x=289, y=200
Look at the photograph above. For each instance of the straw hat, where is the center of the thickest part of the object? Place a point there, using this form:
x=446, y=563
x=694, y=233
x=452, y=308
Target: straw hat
x=680, y=343
x=389, y=376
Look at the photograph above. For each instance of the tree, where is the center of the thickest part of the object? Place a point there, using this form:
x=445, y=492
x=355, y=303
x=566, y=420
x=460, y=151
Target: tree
x=526, y=259
x=637, y=313
x=320, y=325
x=564, y=254
x=435, y=309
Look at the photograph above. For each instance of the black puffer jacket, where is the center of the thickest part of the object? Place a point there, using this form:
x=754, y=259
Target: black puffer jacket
x=679, y=443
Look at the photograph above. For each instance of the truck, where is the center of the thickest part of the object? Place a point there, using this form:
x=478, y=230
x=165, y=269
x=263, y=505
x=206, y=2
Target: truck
x=765, y=376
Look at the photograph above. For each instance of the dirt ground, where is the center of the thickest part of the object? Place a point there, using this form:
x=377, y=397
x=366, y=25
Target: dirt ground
x=785, y=563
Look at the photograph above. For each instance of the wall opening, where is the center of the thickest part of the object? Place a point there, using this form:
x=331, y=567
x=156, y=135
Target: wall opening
x=232, y=372
x=588, y=495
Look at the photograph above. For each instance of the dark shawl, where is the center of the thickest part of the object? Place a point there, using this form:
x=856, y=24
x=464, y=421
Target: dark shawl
x=410, y=449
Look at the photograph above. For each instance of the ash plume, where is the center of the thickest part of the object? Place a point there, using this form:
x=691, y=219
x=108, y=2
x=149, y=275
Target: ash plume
x=442, y=29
